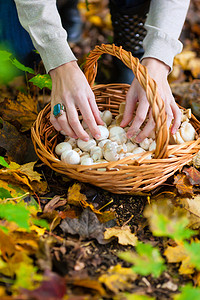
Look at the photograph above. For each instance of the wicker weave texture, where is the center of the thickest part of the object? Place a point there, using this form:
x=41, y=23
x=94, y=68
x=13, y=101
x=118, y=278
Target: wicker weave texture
x=126, y=175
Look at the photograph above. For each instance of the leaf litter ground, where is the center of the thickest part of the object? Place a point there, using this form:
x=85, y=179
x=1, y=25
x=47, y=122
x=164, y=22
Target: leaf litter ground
x=81, y=253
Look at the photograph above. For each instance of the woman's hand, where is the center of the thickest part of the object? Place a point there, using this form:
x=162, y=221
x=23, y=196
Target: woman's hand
x=159, y=72
x=70, y=87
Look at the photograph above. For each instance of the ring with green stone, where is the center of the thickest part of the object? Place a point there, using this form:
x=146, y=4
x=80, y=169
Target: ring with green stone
x=58, y=110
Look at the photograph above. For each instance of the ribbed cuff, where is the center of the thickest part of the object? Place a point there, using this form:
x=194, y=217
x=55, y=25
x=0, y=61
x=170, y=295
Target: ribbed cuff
x=159, y=45
x=56, y=53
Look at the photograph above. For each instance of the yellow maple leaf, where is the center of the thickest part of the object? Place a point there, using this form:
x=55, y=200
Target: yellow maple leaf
x=24, y=175
x=178, y=254
x=118, y=279
x=75, y=197
x=124, y=235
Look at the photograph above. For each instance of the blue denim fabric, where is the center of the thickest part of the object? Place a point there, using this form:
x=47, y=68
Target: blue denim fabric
x=13, y=36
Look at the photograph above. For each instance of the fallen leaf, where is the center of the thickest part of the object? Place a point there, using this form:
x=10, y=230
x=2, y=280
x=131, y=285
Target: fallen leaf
x=24, y=175
x=86, y=226
x=54, y=203
x=22, y=111
x=16, y=144
x=124, y=235
x=89, y=284
x=193, y=175
x=75, y=197
x=183, y=185
x=192, y=206
x=118, y=278
x=179, y=254
x=53, y=287
x=147, y=260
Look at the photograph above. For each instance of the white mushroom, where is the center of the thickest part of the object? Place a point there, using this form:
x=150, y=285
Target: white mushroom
x=152, y=146
x=137, y=151
x=70, y=157
x=78, y=151
x=187, y=131
x=86, y=146
x=61, y=147
x=87, y=161
x=145, y=143
x=106, y=117
x=103, y=142
x=110, y=151
x=96, y=153
x=84, y=155
x=71, y=141
x=121, y=148
x=176, y=138
x=130, y=146
x=118, y=134
x=104, y=133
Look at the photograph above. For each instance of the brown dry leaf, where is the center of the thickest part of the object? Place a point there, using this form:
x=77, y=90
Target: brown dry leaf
x=7, y=244
x=54, y=203
x=178, y=254
x=118, y=279
x=124, y=235
x=22, y=110
x=192, y=206
x=24, y=175
x=15, y=143
x=193, y=175
x=89, y=284
x=183, y=185
x=75, y=197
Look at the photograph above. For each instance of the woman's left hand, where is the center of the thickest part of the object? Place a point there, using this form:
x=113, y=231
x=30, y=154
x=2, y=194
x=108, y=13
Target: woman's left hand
x=159, y=72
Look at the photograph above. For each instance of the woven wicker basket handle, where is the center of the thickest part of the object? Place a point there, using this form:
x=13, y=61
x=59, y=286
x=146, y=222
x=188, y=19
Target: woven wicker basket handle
x=148, y=84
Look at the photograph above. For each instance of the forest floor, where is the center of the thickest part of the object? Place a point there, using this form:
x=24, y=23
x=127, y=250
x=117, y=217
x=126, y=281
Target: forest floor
x=72, y=240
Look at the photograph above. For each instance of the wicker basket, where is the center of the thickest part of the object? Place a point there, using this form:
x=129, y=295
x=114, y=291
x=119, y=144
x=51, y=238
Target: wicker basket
x=132, y=176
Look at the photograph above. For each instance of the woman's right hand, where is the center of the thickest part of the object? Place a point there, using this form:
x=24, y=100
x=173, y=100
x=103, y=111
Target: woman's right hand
x=70, y=87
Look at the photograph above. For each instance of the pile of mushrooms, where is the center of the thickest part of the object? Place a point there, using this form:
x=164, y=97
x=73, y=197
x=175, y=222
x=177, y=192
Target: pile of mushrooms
x=113, y=143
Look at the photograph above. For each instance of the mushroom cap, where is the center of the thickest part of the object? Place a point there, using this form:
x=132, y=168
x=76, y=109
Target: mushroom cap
x=187, y=131
x=106, y=117
x=87, y=161
x=70, y=157
x=118, y=134
x=86, y=146
x=61, y=147
x=104, y=133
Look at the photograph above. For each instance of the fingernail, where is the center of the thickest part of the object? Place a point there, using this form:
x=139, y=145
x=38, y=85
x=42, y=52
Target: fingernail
x=97, y=136
x=138, y=140
x=86, y=139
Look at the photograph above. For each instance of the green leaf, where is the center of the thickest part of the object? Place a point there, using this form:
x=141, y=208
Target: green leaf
x=3, y=162
x=188, y=292
x=21, y=67
x=4, y=55
x=4, y=194
x=15, y=213
x=146, y=261
x=42, y=81
x=27, y=277
x=166, y=224
x=193, y=250
x=42, y=223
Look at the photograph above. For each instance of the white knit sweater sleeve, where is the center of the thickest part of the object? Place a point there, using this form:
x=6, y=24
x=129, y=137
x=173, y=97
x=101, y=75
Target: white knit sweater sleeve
x=42, y=21
x=164, y=24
